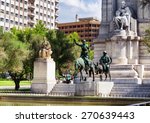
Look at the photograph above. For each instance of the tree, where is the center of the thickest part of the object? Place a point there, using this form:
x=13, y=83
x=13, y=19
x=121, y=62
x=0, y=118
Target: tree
x=17, y=52
x=147, y=38
x=64, y=52
x=40, y=29
x=1, y=32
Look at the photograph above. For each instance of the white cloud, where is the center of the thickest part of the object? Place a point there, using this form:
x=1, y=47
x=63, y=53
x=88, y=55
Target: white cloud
x=74, y=3
x=84, y=8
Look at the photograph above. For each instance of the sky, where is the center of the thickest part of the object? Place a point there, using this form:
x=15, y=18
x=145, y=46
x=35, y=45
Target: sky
x=83, y=8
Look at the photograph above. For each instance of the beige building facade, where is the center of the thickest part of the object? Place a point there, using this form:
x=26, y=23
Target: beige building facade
x=87, y=28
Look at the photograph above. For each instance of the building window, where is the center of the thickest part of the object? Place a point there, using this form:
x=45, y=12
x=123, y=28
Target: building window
x=2, y=19
x=52, y=3
x=7, y=4
x=2, y=2
x=25, y=2
x=17, y=7
x=6, y=28
x=12, y=6
x=16, y=15
x=11, y=21
x=7, y=20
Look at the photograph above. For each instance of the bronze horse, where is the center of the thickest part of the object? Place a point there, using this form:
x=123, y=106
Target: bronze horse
x=80, y=67
x=99, y=70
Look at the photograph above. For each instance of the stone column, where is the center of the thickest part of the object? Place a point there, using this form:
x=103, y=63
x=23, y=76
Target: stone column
x=44, y=76
x=119, y=50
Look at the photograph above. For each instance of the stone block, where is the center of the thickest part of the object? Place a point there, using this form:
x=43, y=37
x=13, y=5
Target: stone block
x=102, y=89
x=44, y=76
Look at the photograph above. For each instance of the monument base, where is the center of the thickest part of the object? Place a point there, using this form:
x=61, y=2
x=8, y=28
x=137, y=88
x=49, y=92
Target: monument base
x=44, y=76
x=42, y=88
x=101, y=89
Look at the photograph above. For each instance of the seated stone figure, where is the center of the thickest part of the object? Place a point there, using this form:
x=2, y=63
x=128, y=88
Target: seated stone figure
x=122, y=18
x=45, y=51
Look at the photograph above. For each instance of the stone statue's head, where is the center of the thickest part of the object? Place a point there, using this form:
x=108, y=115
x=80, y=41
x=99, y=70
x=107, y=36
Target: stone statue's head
x=123, y=4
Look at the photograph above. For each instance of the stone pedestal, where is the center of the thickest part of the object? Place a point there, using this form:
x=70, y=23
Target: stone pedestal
x=119, y=49
x=44, y=76
x=101, y=89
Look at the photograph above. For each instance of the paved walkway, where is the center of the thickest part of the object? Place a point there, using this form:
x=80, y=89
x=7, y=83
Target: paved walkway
x=12, y=87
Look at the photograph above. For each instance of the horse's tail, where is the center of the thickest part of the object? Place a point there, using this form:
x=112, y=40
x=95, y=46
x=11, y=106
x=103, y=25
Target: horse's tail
x=76, y=67
x=76, y=64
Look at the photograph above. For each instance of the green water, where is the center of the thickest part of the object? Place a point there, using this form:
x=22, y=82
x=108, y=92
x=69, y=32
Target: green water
x=66, y=101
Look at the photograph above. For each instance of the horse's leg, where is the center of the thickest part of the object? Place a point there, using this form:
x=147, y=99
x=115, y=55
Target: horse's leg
x=109, y=76
x=93, y=75
x=90, y=73
x=105, y=76
x=101, y=78
x=80, y=76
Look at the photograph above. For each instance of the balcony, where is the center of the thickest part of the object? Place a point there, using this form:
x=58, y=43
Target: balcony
x=56, y=14
x=56, y=8
x=31, y=6
x=56, y=1
x=30, y=14
x=31, y=21
x=56, y=21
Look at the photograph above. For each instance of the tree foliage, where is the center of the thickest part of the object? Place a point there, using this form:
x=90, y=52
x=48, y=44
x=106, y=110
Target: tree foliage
x=147, y=39
x=64, y=50
x=15, y=53
x=40, y=29
x=19, y=48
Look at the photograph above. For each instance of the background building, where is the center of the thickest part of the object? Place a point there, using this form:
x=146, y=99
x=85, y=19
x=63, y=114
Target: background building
x=87, y=28
x=23, y=13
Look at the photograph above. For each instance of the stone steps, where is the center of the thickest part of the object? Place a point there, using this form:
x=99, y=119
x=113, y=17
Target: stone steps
x=146, y=81
x=130, y=95
x=62, y=89
x=120, y=80
x=130, y=90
